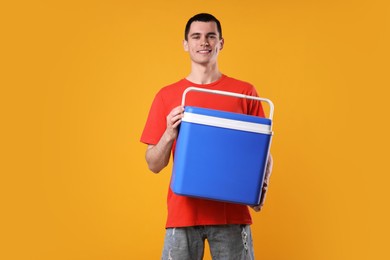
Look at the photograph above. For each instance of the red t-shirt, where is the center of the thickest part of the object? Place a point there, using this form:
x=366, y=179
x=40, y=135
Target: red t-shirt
x=185, y=211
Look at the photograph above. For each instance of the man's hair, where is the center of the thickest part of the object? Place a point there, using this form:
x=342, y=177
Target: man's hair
x=202, y=17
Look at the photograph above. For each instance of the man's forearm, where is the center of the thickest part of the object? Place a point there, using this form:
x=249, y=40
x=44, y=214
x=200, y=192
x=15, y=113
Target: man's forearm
x=157, y=156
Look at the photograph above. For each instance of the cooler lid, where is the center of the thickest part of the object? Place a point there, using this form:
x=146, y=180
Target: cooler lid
x=228, y=120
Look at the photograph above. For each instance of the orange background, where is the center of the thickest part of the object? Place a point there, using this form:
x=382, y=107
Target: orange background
x=77, y=80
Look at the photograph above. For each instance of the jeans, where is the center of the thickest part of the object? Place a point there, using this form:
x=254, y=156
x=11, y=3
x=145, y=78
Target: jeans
x=226, y=242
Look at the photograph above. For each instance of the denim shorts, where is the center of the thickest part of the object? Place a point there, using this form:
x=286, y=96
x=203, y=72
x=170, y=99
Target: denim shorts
x=226, y=242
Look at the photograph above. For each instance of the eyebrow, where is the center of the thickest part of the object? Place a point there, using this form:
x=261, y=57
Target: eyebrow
x=208, y=34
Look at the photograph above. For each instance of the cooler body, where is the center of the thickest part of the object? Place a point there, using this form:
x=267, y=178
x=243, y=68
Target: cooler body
x=221, y=156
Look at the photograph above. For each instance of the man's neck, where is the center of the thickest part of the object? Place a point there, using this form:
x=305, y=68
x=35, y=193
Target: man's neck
x=204, y=74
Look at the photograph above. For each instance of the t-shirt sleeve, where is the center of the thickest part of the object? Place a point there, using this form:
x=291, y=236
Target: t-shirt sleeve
x=255, y=107
x=155, y=123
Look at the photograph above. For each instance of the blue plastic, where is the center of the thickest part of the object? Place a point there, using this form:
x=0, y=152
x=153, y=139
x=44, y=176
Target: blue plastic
x=219, y=163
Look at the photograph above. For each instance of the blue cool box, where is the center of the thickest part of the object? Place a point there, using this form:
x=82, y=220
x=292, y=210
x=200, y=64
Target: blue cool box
x=221, y=156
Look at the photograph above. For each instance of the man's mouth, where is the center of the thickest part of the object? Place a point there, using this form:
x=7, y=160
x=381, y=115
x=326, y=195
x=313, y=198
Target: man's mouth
x=204, y=51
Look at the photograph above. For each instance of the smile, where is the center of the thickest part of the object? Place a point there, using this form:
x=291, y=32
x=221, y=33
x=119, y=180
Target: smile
x=204, y=51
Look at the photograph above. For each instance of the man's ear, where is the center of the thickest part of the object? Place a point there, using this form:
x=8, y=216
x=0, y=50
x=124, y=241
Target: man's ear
x=185, y=45
x=221, y=44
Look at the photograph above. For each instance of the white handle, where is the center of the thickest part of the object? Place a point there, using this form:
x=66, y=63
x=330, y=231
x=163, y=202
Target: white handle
x=232, y=94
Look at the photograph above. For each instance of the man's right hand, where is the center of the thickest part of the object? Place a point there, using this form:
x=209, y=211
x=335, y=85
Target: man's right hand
x=173, y=121
x=157, y=156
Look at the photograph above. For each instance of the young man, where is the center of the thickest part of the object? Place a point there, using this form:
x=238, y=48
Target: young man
x=191, y=220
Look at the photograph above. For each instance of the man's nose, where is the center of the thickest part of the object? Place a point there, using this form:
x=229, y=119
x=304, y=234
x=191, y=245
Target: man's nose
x=205, y=43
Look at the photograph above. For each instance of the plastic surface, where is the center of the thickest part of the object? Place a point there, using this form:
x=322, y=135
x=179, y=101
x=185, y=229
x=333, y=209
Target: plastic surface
x=220, y=163
x=231, y=94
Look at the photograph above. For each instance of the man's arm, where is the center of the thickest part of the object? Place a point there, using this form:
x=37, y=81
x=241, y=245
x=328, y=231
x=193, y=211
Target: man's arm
x=267, y=176
x=157, y=156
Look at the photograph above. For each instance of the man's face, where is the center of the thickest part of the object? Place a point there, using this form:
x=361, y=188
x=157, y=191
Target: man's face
x=203, y=42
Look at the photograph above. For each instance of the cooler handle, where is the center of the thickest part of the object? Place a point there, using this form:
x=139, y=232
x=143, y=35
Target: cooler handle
x=227, y=93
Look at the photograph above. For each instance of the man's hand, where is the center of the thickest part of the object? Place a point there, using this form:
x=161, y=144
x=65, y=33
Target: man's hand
x=267, y=176
x=173, y=121
x=157, y=156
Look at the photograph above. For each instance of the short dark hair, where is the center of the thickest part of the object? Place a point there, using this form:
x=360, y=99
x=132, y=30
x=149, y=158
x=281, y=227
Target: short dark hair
x=202, y=17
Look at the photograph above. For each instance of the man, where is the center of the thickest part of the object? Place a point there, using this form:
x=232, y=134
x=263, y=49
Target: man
x=191, y=220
